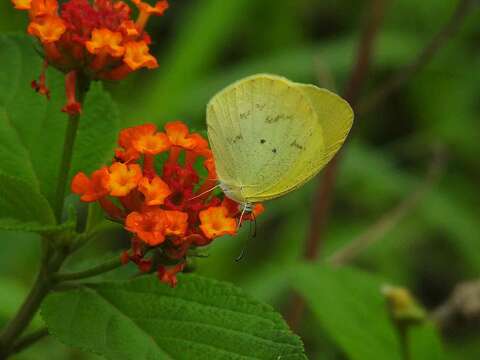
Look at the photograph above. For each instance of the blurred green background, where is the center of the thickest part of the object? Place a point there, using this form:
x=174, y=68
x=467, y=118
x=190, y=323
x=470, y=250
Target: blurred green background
x=203, y=45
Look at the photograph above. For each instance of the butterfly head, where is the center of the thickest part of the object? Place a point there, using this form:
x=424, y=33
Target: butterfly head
x=233, y=192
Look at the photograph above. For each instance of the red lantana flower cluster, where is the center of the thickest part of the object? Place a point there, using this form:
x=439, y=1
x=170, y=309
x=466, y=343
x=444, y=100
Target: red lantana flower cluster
x=97, y=39
x=164, y=205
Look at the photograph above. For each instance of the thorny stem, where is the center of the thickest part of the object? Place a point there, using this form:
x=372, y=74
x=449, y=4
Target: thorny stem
x=325, y=187
x=322, y=197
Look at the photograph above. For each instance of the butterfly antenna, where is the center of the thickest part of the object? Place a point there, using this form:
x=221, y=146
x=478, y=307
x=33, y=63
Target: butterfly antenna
x=242, y=253
x=241, y=216
x=251, y=235
x=205, y=192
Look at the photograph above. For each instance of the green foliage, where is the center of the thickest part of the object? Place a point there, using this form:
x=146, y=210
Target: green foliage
x=349, y=306
x=19, y=105
x=202, y=46
x=21, y=207
x=144, y=319
x=383, y=182
x=425, y=343
x=187, y=59
x=97, y=132
x=36, y=125
x=15, y=292
x=31, y=136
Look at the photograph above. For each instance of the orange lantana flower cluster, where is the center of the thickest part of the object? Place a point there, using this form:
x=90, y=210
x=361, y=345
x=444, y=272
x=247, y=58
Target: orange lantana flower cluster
x=97, y=39
x=165, y=206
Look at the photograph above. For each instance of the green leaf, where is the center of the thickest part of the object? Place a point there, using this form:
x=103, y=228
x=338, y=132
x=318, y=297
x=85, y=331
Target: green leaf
x=31, y=127
x=377, y=182
x=22, y=207
x=13, y=293
x=186, y=60
x=425, y=343
x=14, y=157
x=350, y=308
x=145, y=319
x=97, y=132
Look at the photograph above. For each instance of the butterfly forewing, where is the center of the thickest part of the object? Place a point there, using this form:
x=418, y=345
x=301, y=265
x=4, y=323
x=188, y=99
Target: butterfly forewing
x=267, y=137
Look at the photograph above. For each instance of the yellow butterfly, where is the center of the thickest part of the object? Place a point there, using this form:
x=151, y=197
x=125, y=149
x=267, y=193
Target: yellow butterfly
x=270, y=135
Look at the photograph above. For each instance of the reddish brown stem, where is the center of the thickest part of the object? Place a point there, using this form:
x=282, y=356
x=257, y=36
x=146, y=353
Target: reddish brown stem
x=322, y=198
x=323, y=193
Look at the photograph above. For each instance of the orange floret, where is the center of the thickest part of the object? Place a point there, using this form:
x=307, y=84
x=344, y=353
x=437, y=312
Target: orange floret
x=146, y=10
x=169, y=275
x=148, y=226
x=137, y=55
x=209, y=164
x=159, y=8
x=129, y=28
x=155, y=191
x=43, y=7
x=90, y=189
x=22, y=4
x=47, y=28
x=258, y=209
x=176, y=223
x=146, y=140
x=125, y=141
x=178, y=135
x=105, y=41
x=200, y=145
x=215, y=222
x=122, y=178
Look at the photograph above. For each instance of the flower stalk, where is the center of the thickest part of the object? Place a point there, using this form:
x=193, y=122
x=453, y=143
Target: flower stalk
x=41, y=287
x=77, y=87
x=94, y=271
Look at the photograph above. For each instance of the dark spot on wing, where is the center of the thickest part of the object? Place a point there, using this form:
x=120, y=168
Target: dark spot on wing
x=245, y=115
x=263, y=141
x=237, y=138
x=297, y=145
x=274, y=150
x=271, y=119
x=260, y=106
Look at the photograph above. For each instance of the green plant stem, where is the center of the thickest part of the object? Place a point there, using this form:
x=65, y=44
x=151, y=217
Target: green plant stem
x=65, y=164
x=94, y=271
x=42, y=285
x=51, y=260
x=404, y=344
x=29, y=339
x=81, y=85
